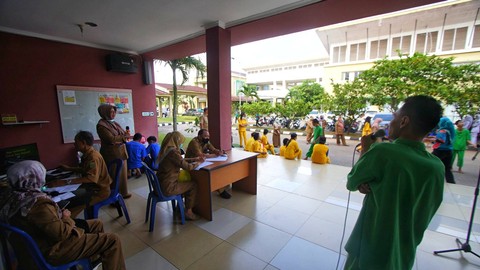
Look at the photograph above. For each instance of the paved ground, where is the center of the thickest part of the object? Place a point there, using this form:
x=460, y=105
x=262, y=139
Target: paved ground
x=343, y=155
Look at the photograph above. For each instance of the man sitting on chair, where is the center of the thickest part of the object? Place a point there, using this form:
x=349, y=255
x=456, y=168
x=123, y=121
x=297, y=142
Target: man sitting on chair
x=95, y=178
x=200, y=146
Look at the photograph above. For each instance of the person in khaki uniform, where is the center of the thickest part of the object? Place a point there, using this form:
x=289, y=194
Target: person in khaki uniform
x=95, y=177
x=170, y=162
x=339, y=126
x=54, y=231
x=200, y=146
x=113, y=139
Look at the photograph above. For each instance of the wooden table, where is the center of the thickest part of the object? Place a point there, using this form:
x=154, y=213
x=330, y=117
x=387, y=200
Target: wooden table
x=240, y=169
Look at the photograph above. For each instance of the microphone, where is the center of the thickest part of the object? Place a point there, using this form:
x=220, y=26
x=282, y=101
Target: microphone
x=368, y=140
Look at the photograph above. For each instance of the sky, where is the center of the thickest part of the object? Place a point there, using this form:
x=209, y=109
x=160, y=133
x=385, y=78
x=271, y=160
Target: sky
x=293, y=47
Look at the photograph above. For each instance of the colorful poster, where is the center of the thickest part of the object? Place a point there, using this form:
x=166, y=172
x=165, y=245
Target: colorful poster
x=69, y=97
x=118, y=100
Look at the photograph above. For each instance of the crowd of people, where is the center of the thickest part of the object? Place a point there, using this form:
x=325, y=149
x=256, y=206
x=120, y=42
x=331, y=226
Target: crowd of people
x=63, y=238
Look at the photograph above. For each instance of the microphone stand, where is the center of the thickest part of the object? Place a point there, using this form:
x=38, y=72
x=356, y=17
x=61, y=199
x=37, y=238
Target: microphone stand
x=465, y=247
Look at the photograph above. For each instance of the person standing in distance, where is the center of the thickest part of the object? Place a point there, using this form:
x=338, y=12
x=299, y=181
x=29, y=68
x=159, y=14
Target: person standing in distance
x=403, y=184
x=204, y=119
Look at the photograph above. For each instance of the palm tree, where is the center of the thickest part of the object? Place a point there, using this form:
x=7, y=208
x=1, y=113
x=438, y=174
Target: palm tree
x=184, y=65
x=249, y=91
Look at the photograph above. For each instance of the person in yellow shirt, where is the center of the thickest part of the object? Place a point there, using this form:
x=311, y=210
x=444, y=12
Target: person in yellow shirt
x=266, y=145
x=257, y=146
x=293, y=151
x=242, y=129
x=320, y=152
x=367, y=129
x=248, y=145
x=283, y=147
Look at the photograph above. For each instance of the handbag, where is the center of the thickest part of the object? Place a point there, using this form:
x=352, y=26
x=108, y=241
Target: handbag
x=184, y=176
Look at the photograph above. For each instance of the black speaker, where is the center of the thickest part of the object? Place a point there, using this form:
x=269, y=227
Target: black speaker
x=121, y=63
x=147, y=72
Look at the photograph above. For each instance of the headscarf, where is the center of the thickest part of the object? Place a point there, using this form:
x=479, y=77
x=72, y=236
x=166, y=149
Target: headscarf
x=26, y=179
x=446, y=124
x=104, y=111
x=106, y=121
x=172, y=141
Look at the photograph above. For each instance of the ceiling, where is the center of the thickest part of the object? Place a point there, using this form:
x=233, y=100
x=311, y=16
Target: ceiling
x=131, y=26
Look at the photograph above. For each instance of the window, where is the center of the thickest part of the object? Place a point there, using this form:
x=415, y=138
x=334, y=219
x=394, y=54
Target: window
x=402, y=44
x=454, y=39
x=339, y=54
x=378, y=49
x=476, y=37
x=426, y=42
x=345, y=76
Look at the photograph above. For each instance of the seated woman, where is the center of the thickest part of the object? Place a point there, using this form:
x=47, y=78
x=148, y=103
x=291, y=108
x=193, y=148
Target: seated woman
x=257, y=146
x=170, y=162
x=94, y=173
x=54, y=231
x=320, y=152
x=283, y=148
x=293, y=150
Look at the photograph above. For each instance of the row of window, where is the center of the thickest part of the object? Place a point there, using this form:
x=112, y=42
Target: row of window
x=452, y=39
x=287, y=68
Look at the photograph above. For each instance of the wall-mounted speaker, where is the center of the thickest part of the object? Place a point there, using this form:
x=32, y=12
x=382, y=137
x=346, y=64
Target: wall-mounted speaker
x=147, y=72
x=121, y=63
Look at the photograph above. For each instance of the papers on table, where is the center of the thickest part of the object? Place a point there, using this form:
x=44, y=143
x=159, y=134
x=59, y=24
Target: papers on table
x=219, y=158
x=63, y=189
x=205, y=163
x=63, y=196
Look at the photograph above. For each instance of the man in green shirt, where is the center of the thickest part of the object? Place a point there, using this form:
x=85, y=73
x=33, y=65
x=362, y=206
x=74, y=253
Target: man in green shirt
x=403, y=184
x=317, y=133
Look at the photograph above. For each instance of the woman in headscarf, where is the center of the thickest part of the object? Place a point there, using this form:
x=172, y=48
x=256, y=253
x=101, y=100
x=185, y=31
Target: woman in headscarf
x=170, y=162
x=366, y=129
x=113, y=139
x=443, y=147
x=55, y=233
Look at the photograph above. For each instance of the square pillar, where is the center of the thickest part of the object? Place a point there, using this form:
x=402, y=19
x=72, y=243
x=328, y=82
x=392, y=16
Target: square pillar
x=219, y=86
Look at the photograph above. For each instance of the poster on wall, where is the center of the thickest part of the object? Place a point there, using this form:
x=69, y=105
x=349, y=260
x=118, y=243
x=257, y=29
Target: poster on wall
x=118, y=100
x=69, y=97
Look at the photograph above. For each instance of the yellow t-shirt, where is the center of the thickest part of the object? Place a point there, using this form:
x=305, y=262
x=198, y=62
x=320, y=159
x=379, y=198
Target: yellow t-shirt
x=248, y=144
x=282, y=150
x=242, y=122
x=292, y=150
x=319, y=154
x=258, y=148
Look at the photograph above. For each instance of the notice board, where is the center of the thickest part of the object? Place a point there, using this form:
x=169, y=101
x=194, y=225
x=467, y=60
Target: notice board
x=78, y=108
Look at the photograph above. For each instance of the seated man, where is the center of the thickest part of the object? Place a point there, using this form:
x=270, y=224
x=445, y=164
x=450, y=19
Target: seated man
x=136, y=153
x=257, y=146
x=153, y=149
x=58, y=238
x=249, y=143
x=293, y=150
x=95, y=177
x=320, y=152
x=200, y=146
x=266, y=145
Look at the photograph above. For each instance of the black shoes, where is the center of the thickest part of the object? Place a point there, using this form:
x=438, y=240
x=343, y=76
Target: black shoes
x=224, y=194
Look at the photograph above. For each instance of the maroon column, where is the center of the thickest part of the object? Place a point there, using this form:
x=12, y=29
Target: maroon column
x=219, y=87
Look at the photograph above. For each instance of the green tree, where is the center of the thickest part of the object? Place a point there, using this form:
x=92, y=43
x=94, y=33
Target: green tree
x=249, y=91
x=261, y=107
x=389, y=82
x=349, y=100
x=184, y=65
x=464, y=94
x=310, y=92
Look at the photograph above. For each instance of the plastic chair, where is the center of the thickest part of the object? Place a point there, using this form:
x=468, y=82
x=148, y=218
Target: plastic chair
x=114, y=198
x=34, y=252
x=155, y=195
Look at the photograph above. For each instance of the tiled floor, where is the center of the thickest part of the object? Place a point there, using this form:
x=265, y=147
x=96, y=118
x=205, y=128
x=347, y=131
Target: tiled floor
x=295, y=221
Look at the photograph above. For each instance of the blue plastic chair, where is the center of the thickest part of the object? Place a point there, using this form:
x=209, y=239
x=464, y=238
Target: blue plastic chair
x=114, y=198
x=7, y=230
x=155, y=195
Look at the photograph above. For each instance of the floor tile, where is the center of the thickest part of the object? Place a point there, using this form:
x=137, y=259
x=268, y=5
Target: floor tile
x=224, y=224
x=148, y=259
x=283, y=219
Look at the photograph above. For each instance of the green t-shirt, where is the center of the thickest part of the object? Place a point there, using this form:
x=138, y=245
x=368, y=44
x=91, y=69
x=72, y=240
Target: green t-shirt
x=406, y=185
x=461, y=138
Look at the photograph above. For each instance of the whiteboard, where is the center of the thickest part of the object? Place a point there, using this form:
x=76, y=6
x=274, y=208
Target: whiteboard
x=78, y=108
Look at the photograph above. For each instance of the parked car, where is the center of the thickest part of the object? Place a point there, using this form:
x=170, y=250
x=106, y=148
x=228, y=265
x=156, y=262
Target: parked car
x=386, y=118
x=193, y=112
